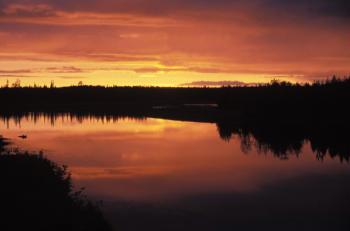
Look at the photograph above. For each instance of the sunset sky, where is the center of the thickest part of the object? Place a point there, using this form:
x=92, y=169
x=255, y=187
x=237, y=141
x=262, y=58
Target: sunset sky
x=172, y=43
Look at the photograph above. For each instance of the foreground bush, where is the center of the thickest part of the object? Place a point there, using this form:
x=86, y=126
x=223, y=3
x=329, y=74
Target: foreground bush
x=37, y=194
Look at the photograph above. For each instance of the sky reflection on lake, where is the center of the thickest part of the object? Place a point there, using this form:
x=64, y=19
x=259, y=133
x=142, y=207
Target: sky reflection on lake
x=158, y=160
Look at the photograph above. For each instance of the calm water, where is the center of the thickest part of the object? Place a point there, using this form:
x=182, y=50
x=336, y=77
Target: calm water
x=172, y=175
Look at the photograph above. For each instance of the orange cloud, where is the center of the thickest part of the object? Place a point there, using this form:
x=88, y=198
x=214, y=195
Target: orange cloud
x=194, y=38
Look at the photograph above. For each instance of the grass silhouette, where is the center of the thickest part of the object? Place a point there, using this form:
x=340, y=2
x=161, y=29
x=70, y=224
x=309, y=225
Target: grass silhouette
x=37, y=194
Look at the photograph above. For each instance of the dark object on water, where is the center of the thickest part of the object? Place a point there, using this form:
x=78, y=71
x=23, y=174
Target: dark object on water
x=23, y=136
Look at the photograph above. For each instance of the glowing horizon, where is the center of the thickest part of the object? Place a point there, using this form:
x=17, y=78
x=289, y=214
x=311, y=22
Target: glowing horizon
x=172, y=43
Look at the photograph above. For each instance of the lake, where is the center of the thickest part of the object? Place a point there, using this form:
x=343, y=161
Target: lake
x=177, y=175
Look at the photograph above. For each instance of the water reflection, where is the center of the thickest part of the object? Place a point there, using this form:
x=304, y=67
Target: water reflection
x=282, y=140
x=171, y=175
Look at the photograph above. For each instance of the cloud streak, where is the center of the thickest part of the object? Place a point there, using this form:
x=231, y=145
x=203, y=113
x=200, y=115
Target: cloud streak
x=183, y=37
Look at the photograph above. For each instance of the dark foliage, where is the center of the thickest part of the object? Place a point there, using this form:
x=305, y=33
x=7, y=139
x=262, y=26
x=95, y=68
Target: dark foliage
x=36, y=194
x=321, y=101
x=324, y=102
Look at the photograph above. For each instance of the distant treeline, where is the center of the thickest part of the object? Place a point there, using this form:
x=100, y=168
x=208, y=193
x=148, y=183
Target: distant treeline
x=292, y=103
x=316, y=103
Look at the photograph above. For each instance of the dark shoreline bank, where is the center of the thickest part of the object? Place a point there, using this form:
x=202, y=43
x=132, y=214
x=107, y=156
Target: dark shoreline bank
x=37, y=194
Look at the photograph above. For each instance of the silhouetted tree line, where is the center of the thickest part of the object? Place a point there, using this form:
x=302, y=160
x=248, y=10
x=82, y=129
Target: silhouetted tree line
x=37, y=194
x=280, y=116
x=292, y=103
x=277, y=100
